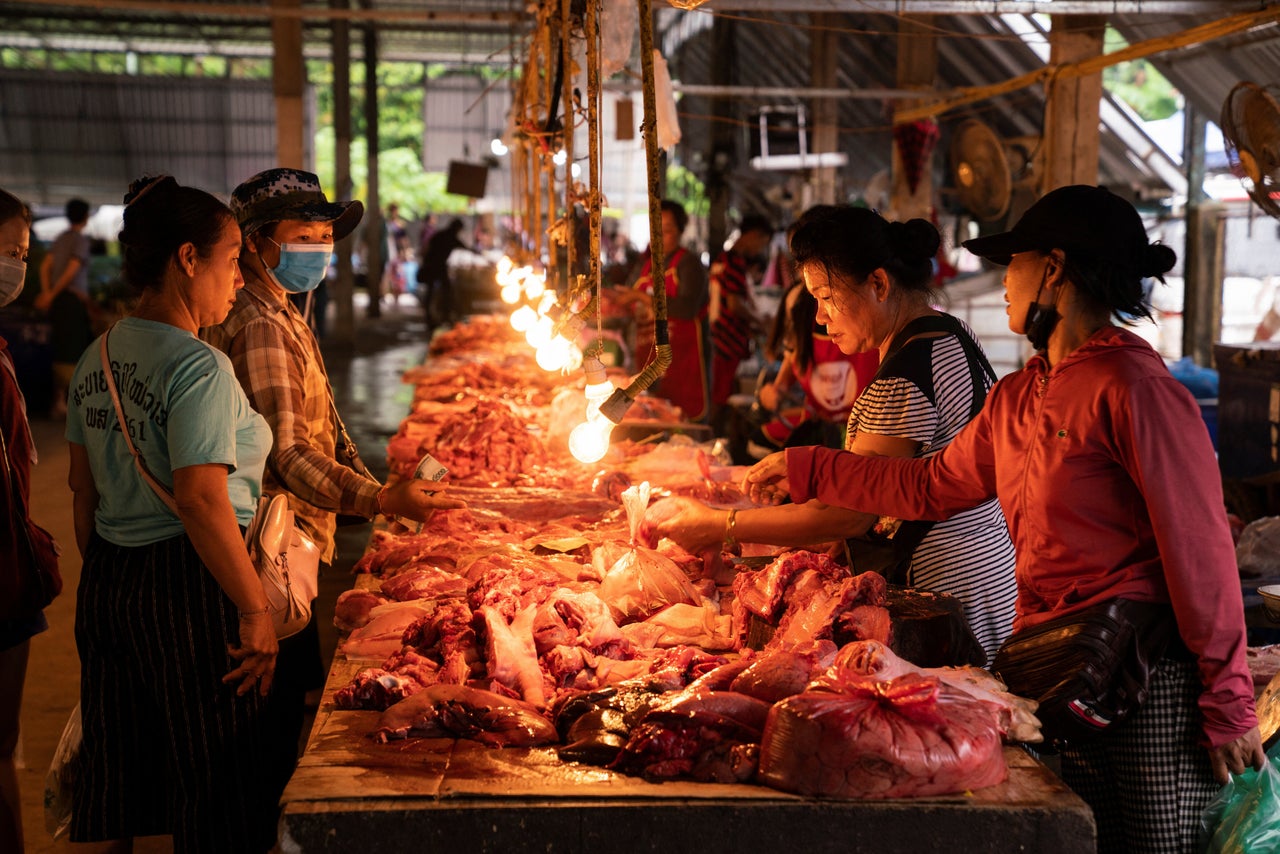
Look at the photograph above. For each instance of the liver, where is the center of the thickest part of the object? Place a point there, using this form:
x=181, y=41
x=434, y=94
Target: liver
x=350, y=794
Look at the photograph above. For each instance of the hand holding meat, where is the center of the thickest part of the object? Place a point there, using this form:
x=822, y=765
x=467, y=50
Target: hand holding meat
x=693, y=525
x=766, y=483
x=1234, y=756
x=256, y=654
x=416, y=500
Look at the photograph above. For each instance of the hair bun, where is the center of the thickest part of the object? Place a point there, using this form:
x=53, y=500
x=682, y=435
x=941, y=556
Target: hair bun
x=1157, y=260
x=148, y=184
x=915, y=239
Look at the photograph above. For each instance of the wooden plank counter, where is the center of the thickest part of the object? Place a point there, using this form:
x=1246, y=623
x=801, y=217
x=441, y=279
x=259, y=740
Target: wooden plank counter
x=350, y=794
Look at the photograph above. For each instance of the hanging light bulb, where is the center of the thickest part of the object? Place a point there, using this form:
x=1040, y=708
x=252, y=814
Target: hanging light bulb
x=589, y=441
x=523, y=318
x=554, y=355
x=510, y=294
x=535, y=285
x=539, y=334
x=547, y=300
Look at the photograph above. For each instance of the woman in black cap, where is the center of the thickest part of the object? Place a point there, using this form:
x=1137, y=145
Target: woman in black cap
x=289, y=228
x=1109, y=484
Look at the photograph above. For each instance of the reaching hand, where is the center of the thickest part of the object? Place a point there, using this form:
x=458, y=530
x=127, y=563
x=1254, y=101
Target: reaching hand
x=417, y=500
x=766, y=482
x=1234, y=756
x=694, y=526
x=256, y=654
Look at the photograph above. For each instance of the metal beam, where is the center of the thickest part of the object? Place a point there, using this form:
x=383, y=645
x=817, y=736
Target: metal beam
x=999, y=7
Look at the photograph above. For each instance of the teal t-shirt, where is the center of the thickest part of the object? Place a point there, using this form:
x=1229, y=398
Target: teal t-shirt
x=184, y=407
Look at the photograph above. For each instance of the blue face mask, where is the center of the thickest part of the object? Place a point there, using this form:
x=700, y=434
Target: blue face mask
x=302, y=266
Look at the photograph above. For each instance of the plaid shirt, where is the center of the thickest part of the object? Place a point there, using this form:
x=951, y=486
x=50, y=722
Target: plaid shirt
x=278, y=361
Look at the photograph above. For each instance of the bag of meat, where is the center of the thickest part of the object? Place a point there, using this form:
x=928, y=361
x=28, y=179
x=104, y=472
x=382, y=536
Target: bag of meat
x=643, y=581
x=863, y=738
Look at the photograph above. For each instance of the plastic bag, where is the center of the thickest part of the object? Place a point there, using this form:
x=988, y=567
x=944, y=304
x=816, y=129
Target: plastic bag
x=1245, y=814
x=1258, y=552
x=60, y=781
x=642, y=581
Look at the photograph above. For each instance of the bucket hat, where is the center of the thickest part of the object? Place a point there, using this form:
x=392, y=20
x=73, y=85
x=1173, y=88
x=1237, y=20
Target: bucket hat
x=1080, y=218
x=280, y=194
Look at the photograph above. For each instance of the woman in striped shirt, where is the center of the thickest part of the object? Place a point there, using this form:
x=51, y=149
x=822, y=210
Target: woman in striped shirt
x=871, y=279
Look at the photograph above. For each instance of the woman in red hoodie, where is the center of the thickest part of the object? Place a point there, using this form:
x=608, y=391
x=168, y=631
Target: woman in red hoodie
x=1108, y=482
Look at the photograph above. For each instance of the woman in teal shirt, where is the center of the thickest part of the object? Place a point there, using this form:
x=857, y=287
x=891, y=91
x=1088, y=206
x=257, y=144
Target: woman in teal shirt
x=176, y=646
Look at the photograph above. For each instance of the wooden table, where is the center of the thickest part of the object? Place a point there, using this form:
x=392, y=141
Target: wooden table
x=351, y=794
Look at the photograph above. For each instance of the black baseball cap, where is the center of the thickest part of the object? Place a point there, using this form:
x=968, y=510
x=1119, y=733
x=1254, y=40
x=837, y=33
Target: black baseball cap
x=1080, y=218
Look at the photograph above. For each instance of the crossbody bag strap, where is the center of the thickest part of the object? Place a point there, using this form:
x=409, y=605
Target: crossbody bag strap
x=162, y=492
x=911, y=534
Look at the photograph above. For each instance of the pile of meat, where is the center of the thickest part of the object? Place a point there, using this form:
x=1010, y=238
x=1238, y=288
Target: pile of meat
x=545, y=613
x=620, y=668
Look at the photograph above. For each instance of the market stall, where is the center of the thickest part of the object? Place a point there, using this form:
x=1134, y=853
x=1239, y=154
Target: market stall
x=495, y=601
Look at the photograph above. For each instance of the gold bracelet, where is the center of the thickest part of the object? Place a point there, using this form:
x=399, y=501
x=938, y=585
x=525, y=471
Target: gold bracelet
x=378, y=499
x=730, y=540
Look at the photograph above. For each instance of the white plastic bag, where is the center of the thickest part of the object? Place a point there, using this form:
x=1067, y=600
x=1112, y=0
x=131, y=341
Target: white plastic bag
x=60, y=781
x=642, y=581
x=1258, y=552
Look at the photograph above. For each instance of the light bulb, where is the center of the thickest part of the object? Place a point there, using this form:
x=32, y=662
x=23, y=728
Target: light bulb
x=555, y=355
x=597, y=393
x=547, y=301
x=510, y=294
x=539, y=334
x=498, y=147
x=534, y=286
x=589, y=441
x=505, y=265
x=559, y=157
x=523, y=318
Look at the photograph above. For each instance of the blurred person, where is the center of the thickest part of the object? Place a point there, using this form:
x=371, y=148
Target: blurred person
x=289, y=228
x=732, y=311
x=1111, y=491
x=828, y=380
x=685, y=283
x=19, y=622
x=64, y=294
x=433, y=274
x=177, y=649
x=871, y=280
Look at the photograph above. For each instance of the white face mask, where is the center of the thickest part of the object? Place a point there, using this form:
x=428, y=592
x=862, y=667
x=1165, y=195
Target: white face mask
x=13, y=274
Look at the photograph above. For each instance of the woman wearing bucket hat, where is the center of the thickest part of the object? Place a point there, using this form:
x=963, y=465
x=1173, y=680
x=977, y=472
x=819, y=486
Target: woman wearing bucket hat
x=289, y=228
x=1110, y=488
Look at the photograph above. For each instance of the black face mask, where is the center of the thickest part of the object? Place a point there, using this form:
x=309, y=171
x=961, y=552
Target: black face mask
x=1041, y=319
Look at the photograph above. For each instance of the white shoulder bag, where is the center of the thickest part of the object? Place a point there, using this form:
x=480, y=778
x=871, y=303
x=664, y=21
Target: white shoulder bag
x=288, y=562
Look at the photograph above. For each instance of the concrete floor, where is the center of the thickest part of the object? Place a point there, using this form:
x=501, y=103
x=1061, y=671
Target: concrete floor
x=372, y=400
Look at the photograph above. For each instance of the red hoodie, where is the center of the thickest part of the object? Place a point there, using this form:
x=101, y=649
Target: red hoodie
x=1108, y=481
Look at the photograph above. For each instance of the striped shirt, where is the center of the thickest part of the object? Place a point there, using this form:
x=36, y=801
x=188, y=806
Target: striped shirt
x=926, y=396
x=731, y=333
x=277, y=360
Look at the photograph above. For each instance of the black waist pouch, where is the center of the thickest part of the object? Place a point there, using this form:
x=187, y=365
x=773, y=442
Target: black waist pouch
x=1089, y=670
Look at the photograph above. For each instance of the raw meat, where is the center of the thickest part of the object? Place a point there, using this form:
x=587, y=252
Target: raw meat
x=457, y=711
x=861, y=738
x=777, y=675
x=511, y=655
x=375, y=689
x=425, y=582
x=872, y=659
x=703, y=735
x=383, y=634
x=352, y=610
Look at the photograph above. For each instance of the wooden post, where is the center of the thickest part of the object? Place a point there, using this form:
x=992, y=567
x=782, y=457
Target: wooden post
x=344, y=328
x=917, y=69
x=375, y=245
x=1070, y=146
x=1202, y=254
x=720, y=152
x=289, y=78
x=826, y=133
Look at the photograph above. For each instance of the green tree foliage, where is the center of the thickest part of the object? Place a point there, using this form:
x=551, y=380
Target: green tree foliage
x=1139, y=84
x=684, y=187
